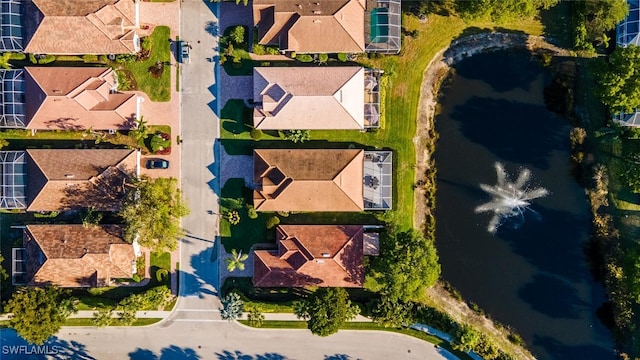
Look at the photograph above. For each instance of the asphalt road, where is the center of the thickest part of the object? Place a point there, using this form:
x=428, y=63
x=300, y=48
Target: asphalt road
x=228, y=341
x=198, y=269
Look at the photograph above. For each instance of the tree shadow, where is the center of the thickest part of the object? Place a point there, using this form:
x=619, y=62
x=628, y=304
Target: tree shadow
x=54, y=348
x=511, y=70
x=212, y=28
x=557, y=350
x=553, y=297
x=172, y=352
x=239, y=355
x=482, y=118
x=337, y=357
x=557, y=25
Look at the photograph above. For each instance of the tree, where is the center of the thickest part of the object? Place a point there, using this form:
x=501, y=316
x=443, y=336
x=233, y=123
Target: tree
x=619, y=78
x=408, y=265
x=103, y=317
x=391, y=312
x=3, y=272
x=255, y=317
x=237, y=34
x=297, y=136
x=91, y=217
x=326, y=310
x=601, y=16
x=151, y=213
x=3, y=143
x=232, y=307
x=38, y=313
x=140, y=129
x=501, y=11
x=236, y=261
x=466, y=338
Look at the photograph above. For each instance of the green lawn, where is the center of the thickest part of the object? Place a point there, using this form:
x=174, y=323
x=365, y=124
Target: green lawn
x=236, y=121
x=248, y=231
x=158, y=89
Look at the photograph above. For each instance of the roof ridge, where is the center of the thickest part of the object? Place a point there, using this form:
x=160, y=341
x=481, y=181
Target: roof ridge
x=342, y=26
x=340, y=174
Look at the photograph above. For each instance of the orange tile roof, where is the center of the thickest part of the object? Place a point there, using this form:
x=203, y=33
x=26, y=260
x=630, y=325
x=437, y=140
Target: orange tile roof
x=76, y=256
x=76, y=98
x=308, y=98
x=80, y=27
x=72, y=179
x=312, y=255
x=308, y=180
x=311, y=26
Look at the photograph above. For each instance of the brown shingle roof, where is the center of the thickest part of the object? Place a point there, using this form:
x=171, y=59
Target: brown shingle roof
x=76, y=256
x=311, y=26
x=308, y=98
x=72, y=179
x=76, y=98
x=80, y=27
x=313, y=180
x=312, y=255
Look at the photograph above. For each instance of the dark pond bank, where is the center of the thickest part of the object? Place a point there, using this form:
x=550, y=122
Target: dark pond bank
x=532, y=274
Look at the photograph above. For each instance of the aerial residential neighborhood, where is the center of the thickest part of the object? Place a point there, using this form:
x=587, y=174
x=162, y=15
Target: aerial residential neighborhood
x=324, y=179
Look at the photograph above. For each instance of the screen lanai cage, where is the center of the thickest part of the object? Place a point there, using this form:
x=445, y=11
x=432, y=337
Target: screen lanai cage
x=628, y=30
x=383, y=26
x=11, y=25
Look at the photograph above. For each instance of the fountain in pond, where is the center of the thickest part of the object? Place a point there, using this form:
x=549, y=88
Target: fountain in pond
x=509, y=198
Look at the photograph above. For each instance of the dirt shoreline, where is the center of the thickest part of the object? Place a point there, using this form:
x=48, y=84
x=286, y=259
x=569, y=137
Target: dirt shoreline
x=434, y=74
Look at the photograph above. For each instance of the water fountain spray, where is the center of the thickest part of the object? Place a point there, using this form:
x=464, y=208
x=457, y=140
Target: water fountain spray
x=509, y=198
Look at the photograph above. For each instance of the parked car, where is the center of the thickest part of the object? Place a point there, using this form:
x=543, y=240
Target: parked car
x=157, y=164
x=184, y=52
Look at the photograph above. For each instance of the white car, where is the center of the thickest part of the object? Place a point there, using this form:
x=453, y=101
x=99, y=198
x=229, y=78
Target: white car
x=184, y=52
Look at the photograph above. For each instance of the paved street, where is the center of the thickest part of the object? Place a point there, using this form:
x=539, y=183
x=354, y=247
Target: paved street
x=198, y=272
x=228, y=341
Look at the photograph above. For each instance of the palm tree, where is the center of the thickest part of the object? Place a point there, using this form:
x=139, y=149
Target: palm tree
x=140, y=129
x=236, y=260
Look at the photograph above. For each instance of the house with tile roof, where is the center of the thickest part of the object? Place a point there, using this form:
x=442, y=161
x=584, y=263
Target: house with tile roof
x=322, y=180
x=316, y=98
x=77, y=98
x=76, y=256
x=312, y=255
x=327, y=26
x=71, y=27
x=66, y=179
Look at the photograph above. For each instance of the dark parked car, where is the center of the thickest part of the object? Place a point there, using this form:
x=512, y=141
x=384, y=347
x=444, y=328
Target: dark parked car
x=157, y=164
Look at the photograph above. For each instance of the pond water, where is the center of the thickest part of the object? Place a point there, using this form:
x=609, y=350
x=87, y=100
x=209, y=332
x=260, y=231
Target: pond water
x=532, y=273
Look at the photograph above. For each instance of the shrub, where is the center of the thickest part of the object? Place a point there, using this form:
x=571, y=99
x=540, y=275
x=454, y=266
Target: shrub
x=145, y=43
x=103, y=58
x=237, y=34
x=136, y=278
x=16, y=56
x=46, y=59
x=297, y=136
x=88, y=58
x=258, y=49
x=161, y=274
x=252, y=213
x=342, y=57
x=283, y=213
x=323, y=58
x=293, y=55
x=274, y=51
x=124, y=83
x=256, y=134
x=272, y=222
x=32, y=59
x=234, y=217
x=305, y=58
x=125, y=58
x=159, y=142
